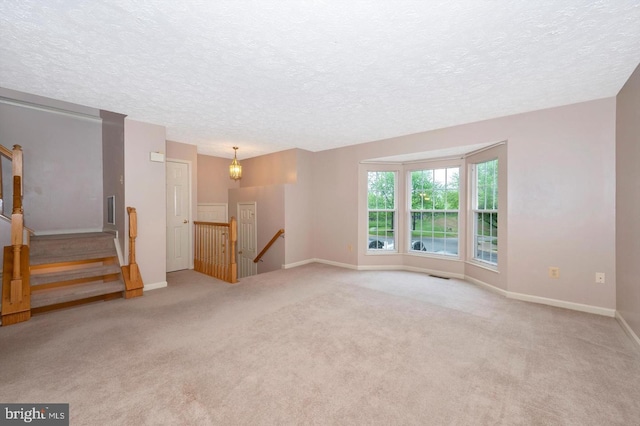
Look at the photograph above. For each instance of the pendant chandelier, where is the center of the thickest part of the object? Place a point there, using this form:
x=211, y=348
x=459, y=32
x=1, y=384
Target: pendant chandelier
x=235, y=169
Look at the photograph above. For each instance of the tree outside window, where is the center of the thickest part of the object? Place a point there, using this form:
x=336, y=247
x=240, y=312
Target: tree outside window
x=434, y=211
x=485, y=210
x=381, y=203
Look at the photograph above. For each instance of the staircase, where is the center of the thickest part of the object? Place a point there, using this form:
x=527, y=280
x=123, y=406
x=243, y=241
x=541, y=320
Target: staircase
x=71, y=269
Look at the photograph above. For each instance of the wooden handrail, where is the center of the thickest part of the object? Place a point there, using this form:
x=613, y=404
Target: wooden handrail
x=6, y=152
x=268, y=246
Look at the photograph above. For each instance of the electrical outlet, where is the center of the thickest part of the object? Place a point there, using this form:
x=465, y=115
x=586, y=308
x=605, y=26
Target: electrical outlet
x=554, y=272
x=600, y=277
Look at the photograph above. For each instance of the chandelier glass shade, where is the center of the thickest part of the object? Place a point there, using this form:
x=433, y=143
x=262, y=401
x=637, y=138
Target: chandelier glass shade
x=235, y=169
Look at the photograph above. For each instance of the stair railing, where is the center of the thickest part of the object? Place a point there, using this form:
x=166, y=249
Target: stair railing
x=4, y=152
x=215, y=249
x=134, y=287
x=16, y=291
x=268, y=246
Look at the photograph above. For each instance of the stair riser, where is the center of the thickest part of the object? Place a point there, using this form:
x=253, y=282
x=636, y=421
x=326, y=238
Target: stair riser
x=58, y=284
x=63, y=305
x=41, y=274
x=70, y=244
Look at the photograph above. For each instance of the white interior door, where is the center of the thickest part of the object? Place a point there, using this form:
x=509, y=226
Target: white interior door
x=178, y=217
x=247, y=239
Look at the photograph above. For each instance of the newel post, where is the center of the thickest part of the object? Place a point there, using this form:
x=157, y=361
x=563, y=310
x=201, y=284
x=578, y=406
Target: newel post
x=134, y=286
x=16, y=289
x=233, y=239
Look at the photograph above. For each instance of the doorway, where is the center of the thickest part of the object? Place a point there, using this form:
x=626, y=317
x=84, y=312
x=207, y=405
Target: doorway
x=178, y=216
x=247, y=239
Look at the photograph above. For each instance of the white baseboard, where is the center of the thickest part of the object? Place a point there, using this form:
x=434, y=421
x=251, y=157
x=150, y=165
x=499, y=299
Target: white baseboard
x=338, y=264
x=380, y=267
x=155, y=286
x=563, y=304
x=626, y=328
x=296, y=264
x=443, y=274
x=545, y=300
x=489, y=287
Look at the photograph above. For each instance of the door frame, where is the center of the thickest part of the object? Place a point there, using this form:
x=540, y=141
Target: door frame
x=190, y=208
x=255, y=228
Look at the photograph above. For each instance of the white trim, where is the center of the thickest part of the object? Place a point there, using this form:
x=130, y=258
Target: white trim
x=155, y=286
x=338, y=264
x=70, y=231
x=627, y=328
x=545, y=300
x=50, y=109
x=563, y=304
x=489, y=287
x=380, y=267
x=486, y=148
x=483, y=265
x=296, y=264
x=118, y=250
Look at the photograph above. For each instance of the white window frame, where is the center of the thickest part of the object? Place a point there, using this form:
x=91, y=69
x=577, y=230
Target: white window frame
x=411, y=211
x=476, y=211
x=387, y=248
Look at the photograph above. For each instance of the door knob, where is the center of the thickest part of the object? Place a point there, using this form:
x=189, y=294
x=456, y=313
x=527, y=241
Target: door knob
x=185, y=221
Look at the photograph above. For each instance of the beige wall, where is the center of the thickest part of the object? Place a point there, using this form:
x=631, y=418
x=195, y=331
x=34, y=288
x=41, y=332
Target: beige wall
x=62, y=149
x=628, y=202
x=145, y=190
x=299, y=207
x=113, y=172
x=561, y=174
x=271, y=169
x=214, y=182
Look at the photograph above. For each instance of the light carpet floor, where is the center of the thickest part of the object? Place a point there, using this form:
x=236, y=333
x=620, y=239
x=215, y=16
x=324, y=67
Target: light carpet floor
x=323, y=345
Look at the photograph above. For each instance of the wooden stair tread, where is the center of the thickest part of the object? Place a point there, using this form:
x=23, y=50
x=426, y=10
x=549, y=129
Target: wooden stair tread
x=64, y=294
x=74, y=274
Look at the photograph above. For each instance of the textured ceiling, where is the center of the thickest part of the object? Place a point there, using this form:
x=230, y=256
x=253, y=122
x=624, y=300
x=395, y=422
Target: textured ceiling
x=277, y=74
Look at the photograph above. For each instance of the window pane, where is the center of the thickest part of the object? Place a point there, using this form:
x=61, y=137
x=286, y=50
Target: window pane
x=487, y=185
x=450, y=235
x=453, y=178
x=381, y=206
x=381, y=187
x=452, y=199
x=486, y=216
x=432, y=229
x=381, y=231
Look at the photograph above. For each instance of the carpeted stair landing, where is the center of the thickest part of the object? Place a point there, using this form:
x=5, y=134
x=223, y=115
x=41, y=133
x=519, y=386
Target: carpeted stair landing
x=70, y=269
